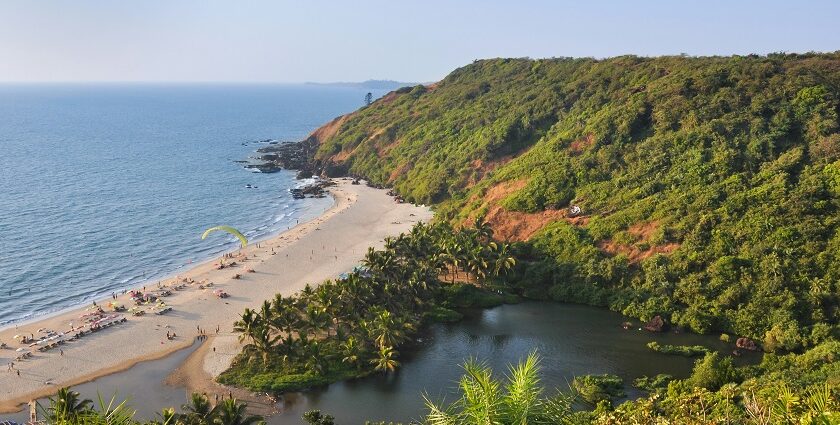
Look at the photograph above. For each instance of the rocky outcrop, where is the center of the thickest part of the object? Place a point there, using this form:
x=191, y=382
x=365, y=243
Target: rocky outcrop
x=289, y=156
x=300, y=155
x=657, y=324
x=313, y=190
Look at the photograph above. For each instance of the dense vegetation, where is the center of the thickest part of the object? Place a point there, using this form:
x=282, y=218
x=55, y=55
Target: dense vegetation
x=708, y=186
x=353, y=326
x=68, y=408
x=522, y=400
x=680, y=350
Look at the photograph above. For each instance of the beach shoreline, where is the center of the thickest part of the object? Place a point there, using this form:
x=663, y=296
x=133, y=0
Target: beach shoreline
x=166, y=276
x=283, y=263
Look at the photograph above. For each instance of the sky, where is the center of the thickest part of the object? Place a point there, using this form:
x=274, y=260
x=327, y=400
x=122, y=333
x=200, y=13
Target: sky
x=414, y=41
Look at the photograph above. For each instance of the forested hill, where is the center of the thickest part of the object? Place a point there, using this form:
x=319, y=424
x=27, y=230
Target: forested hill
x=708, y=186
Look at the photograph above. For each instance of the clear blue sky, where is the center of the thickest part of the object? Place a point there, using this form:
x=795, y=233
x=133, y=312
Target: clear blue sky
x=311, y=40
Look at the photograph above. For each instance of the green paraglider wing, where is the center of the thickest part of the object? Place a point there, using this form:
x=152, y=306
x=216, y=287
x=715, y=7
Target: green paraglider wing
x=228, y=229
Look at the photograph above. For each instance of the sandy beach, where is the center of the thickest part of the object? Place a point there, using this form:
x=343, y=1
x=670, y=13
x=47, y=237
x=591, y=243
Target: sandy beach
x=309, y=253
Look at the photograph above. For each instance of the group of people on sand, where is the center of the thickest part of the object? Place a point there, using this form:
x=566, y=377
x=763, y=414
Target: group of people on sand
x=202, y=333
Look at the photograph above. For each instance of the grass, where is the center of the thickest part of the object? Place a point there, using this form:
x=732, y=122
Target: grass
x=679, y=350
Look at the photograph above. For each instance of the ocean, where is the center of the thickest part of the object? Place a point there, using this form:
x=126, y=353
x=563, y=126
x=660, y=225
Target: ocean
x=107, y=186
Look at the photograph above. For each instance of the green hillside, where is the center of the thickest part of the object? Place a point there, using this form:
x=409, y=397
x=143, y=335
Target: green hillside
x=708, y=186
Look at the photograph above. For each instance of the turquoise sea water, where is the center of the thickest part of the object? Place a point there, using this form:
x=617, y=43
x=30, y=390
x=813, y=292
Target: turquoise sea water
x=103, y=187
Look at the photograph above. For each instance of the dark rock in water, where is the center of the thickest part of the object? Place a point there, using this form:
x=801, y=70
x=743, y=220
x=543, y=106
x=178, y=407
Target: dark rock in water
x=314, y=190
x=657, y=324
x=290, y=156
x=746, y=344
x=264, y=167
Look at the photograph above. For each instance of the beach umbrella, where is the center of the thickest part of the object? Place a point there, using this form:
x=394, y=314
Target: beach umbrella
x=242, y=239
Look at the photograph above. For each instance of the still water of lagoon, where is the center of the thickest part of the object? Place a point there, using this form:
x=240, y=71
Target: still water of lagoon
x=571, y=340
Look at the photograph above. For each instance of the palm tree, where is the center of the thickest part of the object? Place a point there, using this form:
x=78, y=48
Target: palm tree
x=263, y=342
x=387, y=330
x=198, y=410
x=246, y=325
x=453, y=252
x=167, y=417
x=316, y=359
x=483, y=229
x=386, y=359
x=110, y=413
x=504, y=261
x=286, y=316
x=231, y=412
x=486, y=400
x=477, y=264
x=352, y=351
x=67, y=406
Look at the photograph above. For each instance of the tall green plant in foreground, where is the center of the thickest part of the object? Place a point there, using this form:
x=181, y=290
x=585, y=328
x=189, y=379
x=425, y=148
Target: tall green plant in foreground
x=517, y=400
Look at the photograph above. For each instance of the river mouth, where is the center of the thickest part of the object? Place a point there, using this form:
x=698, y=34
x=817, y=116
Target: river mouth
x=571, y=339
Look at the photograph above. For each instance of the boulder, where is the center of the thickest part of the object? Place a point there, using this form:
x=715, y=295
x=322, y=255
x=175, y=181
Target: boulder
x=657, y=324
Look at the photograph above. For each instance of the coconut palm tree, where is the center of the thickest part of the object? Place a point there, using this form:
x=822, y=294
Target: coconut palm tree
x=504, y=260
x=110, y=413
x=477, y=262
x=198, y=411
x=285, y=316
x=316, y=357
x=247, y=325
x=386, y=359
x=231, y=412
x=263, y=342
x=387, y=330
x=352, y=351
x=67, y=406
x=483, y=229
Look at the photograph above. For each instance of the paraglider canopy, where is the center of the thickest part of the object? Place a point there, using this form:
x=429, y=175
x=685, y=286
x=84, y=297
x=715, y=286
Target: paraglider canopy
x=242, y=239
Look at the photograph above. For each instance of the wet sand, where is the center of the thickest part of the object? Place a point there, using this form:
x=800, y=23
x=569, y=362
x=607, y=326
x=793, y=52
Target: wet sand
x=309, y=253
